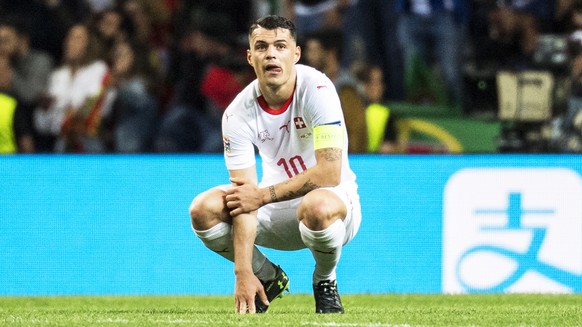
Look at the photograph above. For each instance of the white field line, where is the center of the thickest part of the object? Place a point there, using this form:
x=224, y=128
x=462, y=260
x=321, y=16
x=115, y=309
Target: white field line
x=113, y=321
x=304, y=323
x=171, y=321
x=352, y=324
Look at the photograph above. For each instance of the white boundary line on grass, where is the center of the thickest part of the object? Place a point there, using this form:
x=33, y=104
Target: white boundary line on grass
x=304, y=323
x=351, y=324
x=113, y=321
x=171, y=321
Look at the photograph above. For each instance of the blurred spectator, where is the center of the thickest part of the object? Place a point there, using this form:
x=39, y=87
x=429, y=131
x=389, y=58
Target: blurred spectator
x=266, y=7
x=195, y=12
x=11, y=122
x=100, y=5
x=434, y=29
x=152, y=22
x=563, y=16
x=567, y=129
x=71, y=109
x=25, y=75
x=8, y=48
x=514, y=28
x=381, y=122
x=323, y=50
x=223, y=81
x=29, y=67
x=112, y=25
x=189, y=88
x=8, y=110
x=130, y=121
x=50, y=20
x=371, y=38
x=311, y=15
x=190, y=124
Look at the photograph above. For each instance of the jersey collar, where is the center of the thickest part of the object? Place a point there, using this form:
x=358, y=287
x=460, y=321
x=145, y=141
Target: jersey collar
x=263, y=104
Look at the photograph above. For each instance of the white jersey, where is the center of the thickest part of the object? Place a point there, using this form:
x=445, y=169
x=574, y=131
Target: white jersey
x=284, y=138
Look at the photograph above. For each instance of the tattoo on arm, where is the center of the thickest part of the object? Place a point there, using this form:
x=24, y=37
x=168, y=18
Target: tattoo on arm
x=328, y=154
x=332, y=154
x=306, y=188
x=273, y=194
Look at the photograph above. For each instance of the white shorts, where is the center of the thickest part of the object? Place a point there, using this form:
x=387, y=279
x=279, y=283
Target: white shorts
x=278, y=225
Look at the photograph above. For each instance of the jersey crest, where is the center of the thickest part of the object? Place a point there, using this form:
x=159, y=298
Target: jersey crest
x=299, y=123
x=226, y=142
x=264, y=135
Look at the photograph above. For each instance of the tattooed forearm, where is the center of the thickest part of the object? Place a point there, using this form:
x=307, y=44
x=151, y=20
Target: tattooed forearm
x=333, y=158
x=273, y=194
x=332, y=154
x=306, y=188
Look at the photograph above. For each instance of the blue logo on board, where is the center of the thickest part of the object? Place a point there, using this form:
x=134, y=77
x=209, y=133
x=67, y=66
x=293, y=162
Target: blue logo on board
x=512, y=230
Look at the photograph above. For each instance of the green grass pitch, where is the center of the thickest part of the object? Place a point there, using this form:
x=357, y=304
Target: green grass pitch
x=296, y=310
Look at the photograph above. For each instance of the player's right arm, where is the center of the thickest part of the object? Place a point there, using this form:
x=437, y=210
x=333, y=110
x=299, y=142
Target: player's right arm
x=244, y=233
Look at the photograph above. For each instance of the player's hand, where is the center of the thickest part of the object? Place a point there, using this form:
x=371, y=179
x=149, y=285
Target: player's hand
x=247, y=286
x=244, y=197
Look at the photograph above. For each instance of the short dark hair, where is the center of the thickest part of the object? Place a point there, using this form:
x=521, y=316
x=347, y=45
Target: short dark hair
x=273, y=22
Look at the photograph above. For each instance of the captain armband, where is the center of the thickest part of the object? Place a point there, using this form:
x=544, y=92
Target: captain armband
x=328, y=136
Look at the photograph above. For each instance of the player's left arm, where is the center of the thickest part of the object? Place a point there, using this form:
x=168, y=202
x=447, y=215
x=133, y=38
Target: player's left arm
x=328, y=145
x=326, y=173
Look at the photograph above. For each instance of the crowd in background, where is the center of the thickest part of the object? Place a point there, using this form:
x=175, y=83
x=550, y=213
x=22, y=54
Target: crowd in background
x=142, y=76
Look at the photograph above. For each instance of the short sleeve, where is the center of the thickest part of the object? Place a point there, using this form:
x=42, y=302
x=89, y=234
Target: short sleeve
x=239, y=150
x=324, y=104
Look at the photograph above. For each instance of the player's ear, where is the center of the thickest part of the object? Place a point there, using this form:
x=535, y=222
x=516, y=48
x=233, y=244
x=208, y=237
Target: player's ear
x=297, y=54
x=249, y=57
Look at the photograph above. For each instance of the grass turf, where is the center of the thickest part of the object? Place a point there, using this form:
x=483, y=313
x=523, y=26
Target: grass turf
x=296, y=310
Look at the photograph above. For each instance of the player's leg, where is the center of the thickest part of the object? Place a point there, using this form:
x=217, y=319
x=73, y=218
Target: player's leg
x=322, y=229
x=275, y=230
x=212, y=223
x=327, y=222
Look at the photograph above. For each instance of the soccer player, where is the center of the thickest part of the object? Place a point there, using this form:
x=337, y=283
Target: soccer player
x=307, y=197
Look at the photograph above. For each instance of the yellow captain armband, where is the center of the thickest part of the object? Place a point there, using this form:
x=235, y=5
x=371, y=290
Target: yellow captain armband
x=328, y=136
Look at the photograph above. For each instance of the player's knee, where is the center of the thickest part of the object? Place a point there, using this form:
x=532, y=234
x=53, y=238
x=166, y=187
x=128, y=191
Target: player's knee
x=205, y=208
x=318, y=211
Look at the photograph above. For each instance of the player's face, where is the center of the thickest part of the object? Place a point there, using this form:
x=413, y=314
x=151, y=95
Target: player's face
x=273, y=53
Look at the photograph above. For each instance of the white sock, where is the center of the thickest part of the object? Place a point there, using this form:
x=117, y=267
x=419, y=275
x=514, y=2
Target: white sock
x=219, y=240
x=326, y=247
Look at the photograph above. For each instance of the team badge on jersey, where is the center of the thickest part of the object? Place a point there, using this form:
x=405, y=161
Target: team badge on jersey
x=299, y=123
x=264, y=135
x=226, y=141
